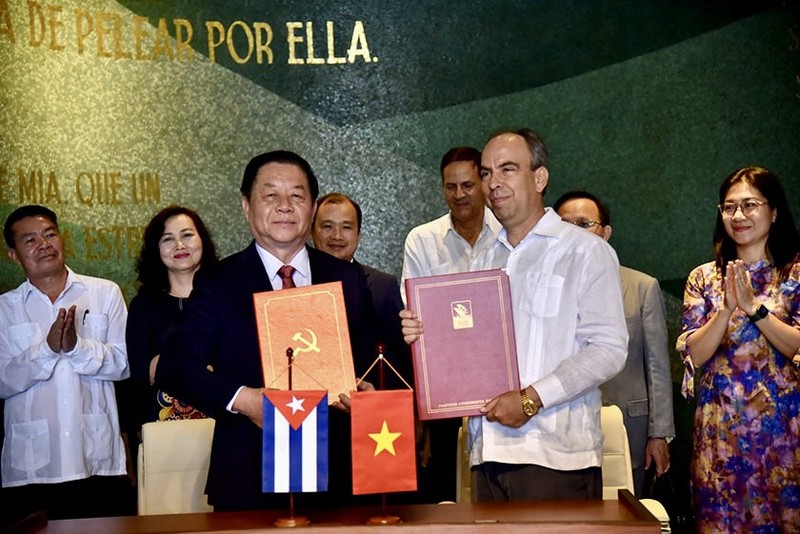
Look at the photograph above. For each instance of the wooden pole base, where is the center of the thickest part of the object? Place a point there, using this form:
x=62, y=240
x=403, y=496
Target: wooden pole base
x=292, y=522
x=384, y=520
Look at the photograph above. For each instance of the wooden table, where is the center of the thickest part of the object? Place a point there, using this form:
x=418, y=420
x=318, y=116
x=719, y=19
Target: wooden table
x=625, y=515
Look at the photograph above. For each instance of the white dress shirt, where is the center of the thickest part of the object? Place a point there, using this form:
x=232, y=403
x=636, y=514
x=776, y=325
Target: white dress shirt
x=61, y=419
x=570, y=338
x=436, y=248
x=302, y=267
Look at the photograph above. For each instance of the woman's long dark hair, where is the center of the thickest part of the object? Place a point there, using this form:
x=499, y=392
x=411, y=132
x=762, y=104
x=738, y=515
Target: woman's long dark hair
x=783, y=242
x=152, y=273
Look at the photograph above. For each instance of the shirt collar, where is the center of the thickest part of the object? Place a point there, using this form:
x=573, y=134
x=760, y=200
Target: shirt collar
x=550, y=225
x=490, y=223
x=72, y=278
x=272, y=264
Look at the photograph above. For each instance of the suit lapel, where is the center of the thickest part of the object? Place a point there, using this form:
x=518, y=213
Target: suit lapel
x=625, y=286
x=321, y=272
x=255, y=275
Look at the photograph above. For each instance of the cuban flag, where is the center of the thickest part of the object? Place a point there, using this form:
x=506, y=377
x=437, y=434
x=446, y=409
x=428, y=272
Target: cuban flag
x=295, y=455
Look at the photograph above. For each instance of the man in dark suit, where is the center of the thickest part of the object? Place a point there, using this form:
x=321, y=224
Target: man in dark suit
x=337, y=231
x=218, y=329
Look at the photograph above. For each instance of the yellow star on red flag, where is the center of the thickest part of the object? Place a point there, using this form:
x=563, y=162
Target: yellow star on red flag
x=383, y=461
x=384, y=440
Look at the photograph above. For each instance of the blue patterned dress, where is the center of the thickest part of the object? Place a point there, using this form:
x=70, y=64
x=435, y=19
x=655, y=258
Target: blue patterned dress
x=746, y=463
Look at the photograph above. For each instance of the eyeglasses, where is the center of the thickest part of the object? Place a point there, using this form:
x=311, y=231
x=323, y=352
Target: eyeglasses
x=748, y=206
x=583, y=223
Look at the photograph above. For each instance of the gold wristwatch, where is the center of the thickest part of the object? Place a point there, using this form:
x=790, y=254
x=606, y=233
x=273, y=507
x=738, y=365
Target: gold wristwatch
x=528, y=406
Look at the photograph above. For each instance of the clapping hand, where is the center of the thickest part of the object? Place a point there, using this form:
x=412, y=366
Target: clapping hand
x=62, y=336
x=739, y=288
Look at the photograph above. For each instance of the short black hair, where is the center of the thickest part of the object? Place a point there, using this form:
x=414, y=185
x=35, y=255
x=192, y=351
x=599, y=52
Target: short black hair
x=460, y=153
x=31, y=210
x=605, y=213
x=278, y=156
x=337, y=198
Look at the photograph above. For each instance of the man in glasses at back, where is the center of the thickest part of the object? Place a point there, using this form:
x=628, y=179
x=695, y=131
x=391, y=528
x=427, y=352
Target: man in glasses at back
x=643, y=389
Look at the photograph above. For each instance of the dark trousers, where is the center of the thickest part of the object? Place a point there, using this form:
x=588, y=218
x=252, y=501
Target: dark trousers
x=98, y=496
x=496, y=482
x=437, y=478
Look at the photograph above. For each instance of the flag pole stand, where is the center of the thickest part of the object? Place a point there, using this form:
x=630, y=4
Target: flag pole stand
x=384, y=518
x=292, y=521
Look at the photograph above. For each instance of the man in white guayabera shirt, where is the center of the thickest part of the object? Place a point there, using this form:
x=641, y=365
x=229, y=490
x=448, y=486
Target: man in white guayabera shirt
x=544, y=441
x=62, y=346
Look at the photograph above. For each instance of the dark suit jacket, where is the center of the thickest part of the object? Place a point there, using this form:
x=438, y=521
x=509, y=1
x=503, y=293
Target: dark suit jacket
x=218, y=328
x=385, y=291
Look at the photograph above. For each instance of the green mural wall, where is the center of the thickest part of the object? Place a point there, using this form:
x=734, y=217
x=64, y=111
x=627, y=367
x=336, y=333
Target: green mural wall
x=112, y=110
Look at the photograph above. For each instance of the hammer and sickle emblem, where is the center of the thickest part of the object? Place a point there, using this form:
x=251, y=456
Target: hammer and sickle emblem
x=309, y=345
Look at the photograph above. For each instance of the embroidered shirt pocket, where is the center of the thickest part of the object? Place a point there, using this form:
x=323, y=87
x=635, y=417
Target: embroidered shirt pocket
x=30, y=445
x=97, y=433
x=542, y=294
x=24, y=335
x=95, y=326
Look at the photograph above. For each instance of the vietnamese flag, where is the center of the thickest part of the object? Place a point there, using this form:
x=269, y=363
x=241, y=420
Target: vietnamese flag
x=384, y=455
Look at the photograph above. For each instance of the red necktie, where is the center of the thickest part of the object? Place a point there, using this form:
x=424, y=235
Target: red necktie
x=286, y=273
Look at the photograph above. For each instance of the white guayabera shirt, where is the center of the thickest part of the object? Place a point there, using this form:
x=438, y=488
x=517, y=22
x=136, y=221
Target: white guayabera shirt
x=61, y=419
x=436, y=248
x=570, y=338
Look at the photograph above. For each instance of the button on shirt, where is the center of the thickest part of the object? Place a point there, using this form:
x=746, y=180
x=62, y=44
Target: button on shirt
x=436, y=248
x=61, y=418
x=570, y=338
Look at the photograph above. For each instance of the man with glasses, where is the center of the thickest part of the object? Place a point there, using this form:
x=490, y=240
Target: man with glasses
x=643, y=389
